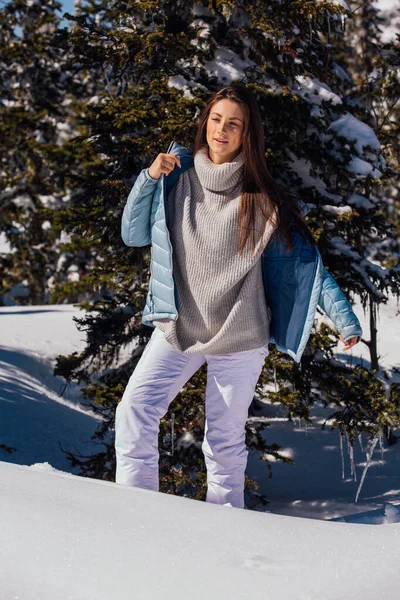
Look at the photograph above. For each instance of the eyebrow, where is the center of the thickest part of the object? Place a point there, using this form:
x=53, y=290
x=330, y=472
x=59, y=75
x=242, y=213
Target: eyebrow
x=215, y=113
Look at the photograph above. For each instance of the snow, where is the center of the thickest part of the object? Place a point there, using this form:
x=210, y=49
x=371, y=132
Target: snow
x=390, y=10
x=314, y=91
x=34, y=418
x=339, y=247
x=73, y=273
x=366, y=157
x=341, y=3
x=5, y=247
x=180, y=83
x=336, y=210
x=356, y=131
x=360, y=201
x=388, y=514
x=205, y=28
x=361, y=168
x=302, y=168
x=46, y=225
x=23, y=201
x=69, y=538
x=340, y=72
x=227, y=66
x=365, y=267
x=66, y=537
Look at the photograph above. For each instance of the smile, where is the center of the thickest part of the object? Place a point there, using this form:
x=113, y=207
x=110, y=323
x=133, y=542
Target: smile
x=221, y=141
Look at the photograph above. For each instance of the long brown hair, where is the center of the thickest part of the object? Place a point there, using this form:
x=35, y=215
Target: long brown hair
x=260, y=191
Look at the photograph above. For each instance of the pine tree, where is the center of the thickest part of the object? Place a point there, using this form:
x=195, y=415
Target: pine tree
x=41, y=92
x=374, y=66
x=373, y=89
x=31, y=101
x=355, y=236
x=158, y=61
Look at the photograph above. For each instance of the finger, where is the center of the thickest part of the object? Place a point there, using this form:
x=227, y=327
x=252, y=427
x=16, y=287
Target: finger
x=169, y=164
x=350, y=344
x=165, y=169
x=176, y=159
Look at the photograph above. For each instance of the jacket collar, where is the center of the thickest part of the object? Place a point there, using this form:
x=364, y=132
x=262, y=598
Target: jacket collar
x=178, y=149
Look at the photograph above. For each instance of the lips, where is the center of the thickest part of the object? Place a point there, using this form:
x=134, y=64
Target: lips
x=221, y=141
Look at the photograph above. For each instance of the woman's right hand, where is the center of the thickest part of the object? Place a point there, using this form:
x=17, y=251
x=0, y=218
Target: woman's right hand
x=164, y=163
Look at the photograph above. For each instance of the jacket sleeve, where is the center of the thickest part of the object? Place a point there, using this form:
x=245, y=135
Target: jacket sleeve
x=135, y=226
x=335, y=304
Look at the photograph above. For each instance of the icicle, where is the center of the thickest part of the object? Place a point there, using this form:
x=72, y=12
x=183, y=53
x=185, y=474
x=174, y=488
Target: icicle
x=310, y=25
x=350, y=450
x=369, y=451
x=381, y=444
x=341, y=452
x=353, y=466
x=359, y=437
x=275, y=382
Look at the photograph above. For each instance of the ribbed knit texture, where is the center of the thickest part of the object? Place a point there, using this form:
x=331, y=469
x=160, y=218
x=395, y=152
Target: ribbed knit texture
x=221, y=300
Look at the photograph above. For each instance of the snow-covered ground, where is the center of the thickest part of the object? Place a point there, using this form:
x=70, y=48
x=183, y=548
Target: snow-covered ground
x=69, y=538
x=35, y=421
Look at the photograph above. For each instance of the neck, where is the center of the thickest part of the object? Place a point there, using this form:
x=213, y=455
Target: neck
x=218, y=177
x=220, y=160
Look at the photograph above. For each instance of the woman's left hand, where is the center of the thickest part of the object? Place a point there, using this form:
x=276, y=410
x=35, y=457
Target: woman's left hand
x=351, y=342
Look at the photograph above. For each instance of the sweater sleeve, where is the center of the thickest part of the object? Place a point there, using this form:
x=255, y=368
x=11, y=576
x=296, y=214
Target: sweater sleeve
x=135, y=225
x=335, y=304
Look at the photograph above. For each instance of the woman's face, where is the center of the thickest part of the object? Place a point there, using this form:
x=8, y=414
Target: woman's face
x=225, y=122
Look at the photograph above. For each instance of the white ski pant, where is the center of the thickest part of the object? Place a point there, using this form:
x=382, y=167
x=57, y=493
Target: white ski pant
x=158, y=377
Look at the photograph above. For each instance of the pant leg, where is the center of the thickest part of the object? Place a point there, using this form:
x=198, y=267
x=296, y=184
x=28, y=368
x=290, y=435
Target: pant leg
x=231, y=383
x=158, y=377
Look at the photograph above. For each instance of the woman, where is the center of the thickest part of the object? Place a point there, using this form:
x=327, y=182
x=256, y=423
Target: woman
x=233, y=268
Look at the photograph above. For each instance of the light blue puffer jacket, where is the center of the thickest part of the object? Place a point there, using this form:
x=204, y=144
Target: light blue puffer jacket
x=294, y=283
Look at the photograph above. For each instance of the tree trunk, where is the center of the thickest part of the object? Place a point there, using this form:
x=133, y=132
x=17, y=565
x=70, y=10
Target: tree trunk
x=373, y=349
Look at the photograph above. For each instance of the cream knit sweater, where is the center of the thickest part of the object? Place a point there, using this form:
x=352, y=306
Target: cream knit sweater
x=221, y=301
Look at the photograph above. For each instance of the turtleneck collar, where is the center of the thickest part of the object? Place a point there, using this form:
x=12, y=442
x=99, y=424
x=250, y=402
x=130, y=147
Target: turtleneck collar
x=217, y=178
